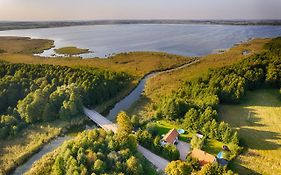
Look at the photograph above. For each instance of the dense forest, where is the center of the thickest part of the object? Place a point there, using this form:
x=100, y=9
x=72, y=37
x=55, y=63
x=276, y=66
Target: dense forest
x=100, y=152
x=195, y=104
x=35, y=93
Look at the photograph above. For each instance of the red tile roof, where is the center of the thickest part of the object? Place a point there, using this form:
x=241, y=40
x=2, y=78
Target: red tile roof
x=171, y=136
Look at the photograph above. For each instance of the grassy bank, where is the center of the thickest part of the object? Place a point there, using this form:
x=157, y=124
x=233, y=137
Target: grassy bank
x=260, y=132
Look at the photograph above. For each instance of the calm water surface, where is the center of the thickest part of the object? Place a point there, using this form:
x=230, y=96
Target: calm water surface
x=182, y=39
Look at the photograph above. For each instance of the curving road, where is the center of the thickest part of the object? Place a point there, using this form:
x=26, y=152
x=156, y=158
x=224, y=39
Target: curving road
x=107, y=125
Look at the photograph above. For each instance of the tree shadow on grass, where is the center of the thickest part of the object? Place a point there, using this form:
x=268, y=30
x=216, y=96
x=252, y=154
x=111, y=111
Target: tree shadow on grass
x=251, y=118
x=236, y=167
x=259, y=140
x=241, y=116
x=262, y=97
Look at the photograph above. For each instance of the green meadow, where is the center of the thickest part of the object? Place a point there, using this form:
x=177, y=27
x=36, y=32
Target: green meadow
x=260, y=131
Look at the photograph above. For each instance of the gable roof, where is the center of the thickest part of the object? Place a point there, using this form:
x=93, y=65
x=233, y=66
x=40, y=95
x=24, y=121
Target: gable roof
x=171, y=136
x=202, y=156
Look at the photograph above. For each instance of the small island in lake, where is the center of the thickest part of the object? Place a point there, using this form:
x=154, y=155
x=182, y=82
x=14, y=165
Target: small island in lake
x=71, y=50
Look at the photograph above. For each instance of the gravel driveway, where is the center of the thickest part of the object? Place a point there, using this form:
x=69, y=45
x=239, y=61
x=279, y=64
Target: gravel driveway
x=184, y=149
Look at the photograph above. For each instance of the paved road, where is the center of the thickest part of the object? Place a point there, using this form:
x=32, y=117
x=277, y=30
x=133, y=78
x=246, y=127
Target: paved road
x=158, y=161
x=107, y=125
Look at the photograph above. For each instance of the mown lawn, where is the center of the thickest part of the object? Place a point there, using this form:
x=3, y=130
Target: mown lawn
x=261, y=133
x=211, y=146
x=163, y=127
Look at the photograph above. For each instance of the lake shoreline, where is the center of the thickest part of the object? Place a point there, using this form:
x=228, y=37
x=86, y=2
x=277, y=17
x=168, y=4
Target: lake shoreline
x=177, y=39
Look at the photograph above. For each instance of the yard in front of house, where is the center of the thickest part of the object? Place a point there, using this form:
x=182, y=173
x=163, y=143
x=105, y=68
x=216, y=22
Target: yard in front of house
x=211, y=146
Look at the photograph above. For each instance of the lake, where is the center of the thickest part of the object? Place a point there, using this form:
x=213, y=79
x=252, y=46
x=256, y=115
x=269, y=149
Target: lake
x=182, y=39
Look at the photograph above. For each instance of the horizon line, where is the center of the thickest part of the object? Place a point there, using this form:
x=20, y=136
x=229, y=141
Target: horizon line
x=145, y=19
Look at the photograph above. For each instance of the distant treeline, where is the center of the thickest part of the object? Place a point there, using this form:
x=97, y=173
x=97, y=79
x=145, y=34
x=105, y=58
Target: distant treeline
x=11, y=25
x=195, y=104
x=35, y=93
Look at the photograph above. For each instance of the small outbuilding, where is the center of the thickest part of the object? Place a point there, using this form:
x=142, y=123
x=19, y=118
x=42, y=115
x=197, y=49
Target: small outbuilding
x=171, y=137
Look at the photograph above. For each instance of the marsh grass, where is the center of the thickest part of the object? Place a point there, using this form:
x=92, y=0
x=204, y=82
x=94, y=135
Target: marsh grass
x=136, y=64
x=24, y=45
x=14, y=151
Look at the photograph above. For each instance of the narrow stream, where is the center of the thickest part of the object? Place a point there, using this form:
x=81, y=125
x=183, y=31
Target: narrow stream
x=46, y=149
x=130, y=99
x=124, y=104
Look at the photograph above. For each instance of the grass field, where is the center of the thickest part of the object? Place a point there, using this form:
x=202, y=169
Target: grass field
x=72, y=50
x=260, y=133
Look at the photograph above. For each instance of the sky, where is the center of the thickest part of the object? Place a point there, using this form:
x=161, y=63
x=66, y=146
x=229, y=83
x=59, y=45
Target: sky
x=34, y=10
